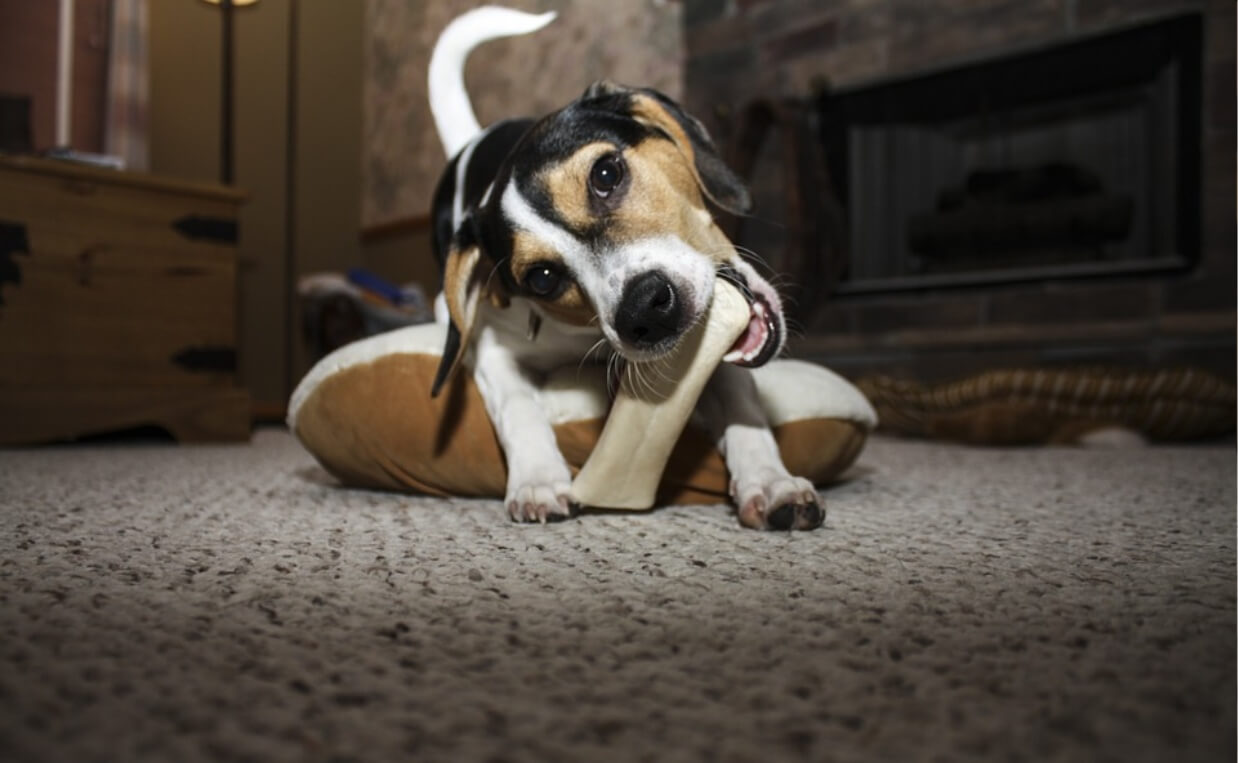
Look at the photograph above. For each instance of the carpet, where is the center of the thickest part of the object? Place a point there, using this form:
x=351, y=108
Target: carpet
x=230, y=603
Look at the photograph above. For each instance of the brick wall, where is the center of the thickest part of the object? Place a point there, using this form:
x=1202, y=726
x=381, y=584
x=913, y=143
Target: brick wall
x=738, y=50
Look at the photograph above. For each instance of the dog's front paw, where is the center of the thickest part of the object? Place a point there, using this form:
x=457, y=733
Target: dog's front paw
x=540, y=500
x=778, y=502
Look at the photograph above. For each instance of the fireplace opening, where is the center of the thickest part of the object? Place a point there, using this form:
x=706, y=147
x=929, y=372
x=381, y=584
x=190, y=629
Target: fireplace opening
x=1077, y=160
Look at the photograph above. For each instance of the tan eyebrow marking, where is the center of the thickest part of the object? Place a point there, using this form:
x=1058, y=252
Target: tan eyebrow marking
x=568, y=184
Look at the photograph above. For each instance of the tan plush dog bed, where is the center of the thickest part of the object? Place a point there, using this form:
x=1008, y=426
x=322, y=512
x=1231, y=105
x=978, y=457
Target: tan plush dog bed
x=365, y=412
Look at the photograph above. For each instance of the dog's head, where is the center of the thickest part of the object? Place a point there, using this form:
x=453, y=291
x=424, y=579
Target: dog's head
x=599, y=216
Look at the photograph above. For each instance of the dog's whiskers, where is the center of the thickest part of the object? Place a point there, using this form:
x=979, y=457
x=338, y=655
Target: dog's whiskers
x=749, y=255
x=597, y=346
x=752, y=256
x=613, y=372
x=641, y=382
x=660, y=367
x=633, y=376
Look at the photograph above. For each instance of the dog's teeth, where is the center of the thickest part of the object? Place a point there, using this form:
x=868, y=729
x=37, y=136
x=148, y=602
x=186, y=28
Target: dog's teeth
x=736, y=355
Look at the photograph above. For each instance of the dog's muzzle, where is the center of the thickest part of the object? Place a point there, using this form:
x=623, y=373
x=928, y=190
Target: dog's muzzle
x=650, y=317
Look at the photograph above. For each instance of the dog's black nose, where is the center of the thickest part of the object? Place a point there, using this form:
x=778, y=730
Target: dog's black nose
x=649, y=311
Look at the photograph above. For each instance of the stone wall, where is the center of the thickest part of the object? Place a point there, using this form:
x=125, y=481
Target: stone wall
x=738, y=50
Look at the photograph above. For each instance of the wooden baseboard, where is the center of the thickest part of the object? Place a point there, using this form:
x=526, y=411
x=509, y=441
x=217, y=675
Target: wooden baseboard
x=268, y=411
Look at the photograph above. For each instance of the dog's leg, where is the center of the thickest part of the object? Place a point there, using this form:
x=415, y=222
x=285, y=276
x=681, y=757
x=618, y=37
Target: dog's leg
x=765, y=493
x=538, y=479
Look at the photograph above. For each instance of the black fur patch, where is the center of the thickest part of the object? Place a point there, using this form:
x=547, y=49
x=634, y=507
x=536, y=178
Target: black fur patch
x=450, y=351
x=488, y=156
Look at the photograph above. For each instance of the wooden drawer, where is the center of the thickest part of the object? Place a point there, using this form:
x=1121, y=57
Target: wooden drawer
x=120, y=286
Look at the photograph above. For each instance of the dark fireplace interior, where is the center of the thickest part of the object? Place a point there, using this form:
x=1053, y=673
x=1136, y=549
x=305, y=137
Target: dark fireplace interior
x=1078, y=159
x=947, y=188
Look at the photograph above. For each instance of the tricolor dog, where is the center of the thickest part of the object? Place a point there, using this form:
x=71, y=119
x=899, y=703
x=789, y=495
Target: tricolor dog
x=588, y=231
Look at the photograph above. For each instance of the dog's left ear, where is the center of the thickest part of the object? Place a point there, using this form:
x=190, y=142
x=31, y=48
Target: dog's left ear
x=462, y=286
x=716, y=180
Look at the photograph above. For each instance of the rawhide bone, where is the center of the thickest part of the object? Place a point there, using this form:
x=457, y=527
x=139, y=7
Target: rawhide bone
x=652, y=407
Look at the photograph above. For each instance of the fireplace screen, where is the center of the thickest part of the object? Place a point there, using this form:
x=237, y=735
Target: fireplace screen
x=1079, y=160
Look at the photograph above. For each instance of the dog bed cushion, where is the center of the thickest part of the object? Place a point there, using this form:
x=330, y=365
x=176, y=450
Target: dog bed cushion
x=366, y=414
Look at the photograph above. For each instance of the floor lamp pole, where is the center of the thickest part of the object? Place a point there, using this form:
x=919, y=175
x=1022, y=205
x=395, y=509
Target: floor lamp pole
x=225, y=106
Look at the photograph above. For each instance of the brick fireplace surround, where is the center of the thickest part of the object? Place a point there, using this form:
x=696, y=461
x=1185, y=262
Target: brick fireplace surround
x=741, y=50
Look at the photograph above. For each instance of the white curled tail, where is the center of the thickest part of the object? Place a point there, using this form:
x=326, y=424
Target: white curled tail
x=449, y=101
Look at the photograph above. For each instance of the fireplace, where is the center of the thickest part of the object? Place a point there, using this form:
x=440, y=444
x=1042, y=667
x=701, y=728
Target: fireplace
x=985, y=185
x=1074, y=160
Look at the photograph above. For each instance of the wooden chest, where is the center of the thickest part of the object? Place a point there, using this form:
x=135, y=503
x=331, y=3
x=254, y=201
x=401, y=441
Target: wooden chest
x=118, y=304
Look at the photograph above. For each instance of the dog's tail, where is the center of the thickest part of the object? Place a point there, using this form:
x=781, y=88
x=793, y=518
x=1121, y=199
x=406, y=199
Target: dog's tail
x=449, y=101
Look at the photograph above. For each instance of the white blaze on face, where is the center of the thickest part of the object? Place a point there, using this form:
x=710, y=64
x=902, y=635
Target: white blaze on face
x=521, y=214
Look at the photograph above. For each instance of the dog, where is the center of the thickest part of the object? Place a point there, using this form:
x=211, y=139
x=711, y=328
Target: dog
x=585, y=229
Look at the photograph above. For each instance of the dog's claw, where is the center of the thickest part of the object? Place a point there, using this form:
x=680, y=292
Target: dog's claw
x=539, y=503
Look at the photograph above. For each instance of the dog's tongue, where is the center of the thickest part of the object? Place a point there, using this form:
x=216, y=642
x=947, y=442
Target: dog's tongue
x=747, y=349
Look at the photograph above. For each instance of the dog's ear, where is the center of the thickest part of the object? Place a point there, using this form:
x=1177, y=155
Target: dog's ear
x=716, y=180
x=462, y=286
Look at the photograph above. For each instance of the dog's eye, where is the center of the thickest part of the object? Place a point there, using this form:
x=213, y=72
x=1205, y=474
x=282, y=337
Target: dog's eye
x=606, y=175
x=543, y=280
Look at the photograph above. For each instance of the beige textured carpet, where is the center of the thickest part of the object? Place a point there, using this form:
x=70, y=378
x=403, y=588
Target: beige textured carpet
x=227, y=603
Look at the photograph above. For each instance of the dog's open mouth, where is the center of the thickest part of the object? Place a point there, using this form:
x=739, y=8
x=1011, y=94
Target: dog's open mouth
x=757, y=345
x=760, y=340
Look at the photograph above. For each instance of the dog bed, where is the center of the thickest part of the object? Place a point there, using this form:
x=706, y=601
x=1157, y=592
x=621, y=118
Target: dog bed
x=366, y=414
